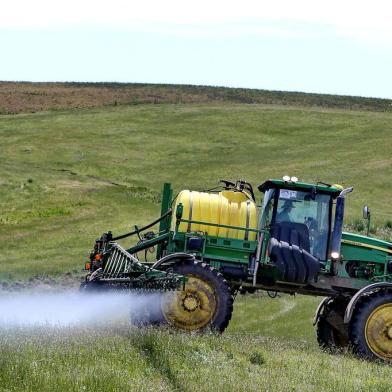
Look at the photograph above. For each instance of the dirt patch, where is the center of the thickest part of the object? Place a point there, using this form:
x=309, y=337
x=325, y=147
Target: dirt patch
x=42, y=283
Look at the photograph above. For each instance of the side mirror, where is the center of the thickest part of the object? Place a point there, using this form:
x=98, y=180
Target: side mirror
x=366, y=212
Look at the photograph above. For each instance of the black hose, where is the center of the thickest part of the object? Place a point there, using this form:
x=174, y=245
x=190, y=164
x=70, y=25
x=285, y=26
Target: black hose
x=137, y=231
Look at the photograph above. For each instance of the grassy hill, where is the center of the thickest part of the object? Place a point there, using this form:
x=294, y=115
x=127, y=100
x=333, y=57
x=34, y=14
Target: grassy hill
x=66, y=175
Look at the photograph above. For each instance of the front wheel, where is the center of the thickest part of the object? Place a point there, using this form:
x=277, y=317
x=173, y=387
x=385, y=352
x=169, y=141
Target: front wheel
x=332, y=334
x=206, y=301
x=371, y=327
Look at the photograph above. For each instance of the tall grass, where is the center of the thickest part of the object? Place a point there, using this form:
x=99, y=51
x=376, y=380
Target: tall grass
x=269, y=347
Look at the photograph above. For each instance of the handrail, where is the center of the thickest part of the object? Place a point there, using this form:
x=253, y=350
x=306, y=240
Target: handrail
x=219, y=225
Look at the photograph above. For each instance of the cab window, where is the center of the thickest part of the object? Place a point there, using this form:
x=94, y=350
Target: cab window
x=309, y=209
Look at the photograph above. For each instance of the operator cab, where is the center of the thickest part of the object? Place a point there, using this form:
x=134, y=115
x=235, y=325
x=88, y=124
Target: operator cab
x=298, y=218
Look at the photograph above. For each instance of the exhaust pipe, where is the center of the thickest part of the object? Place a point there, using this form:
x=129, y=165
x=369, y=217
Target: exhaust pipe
x=338, y=225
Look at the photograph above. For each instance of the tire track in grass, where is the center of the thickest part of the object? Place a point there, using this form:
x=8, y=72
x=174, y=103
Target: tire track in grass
x=262, y=315
x=157, y=357
x=288, y=306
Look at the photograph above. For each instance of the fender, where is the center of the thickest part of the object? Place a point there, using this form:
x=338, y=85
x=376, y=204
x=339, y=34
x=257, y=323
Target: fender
x=364, y=290
x=320, y=308
x=170, y=259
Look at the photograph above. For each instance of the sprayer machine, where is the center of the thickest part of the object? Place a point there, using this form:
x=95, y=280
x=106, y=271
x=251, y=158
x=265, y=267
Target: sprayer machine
x=212, y=244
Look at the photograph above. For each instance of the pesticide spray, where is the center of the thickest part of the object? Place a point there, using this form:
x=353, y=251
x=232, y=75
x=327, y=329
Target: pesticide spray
x=69, y=309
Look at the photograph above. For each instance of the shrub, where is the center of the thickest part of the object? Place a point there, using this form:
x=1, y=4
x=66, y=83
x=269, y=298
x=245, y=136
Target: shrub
x=256, y=358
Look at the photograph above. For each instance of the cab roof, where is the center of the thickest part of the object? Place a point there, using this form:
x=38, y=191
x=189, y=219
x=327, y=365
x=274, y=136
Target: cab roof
x=332, y=190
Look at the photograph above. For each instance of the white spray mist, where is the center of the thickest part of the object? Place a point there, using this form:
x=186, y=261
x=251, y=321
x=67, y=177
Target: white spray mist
x=63, y=309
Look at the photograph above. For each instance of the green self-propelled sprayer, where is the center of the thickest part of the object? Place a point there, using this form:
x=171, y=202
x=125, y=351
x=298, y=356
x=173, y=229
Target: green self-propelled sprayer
x=212, y=244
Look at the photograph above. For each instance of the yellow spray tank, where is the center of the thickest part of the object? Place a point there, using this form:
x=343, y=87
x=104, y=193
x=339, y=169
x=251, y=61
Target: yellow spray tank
x=228, y=207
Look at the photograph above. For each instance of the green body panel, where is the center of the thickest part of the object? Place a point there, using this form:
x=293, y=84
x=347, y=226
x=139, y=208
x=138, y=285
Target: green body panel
x=372, y=249
x=215, y=248
x=368, y=256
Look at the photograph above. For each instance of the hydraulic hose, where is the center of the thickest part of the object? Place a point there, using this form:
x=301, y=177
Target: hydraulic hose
x=138, y=230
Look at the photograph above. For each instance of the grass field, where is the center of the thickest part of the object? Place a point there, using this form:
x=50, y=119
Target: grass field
x=68, y=175
x=65, y=177
x=269, y=346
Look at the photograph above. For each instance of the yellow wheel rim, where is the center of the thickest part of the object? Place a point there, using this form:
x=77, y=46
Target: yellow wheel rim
x=378, y=331
x=193, y=308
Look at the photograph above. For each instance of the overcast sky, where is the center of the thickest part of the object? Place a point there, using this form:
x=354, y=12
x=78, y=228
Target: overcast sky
x=337, y=47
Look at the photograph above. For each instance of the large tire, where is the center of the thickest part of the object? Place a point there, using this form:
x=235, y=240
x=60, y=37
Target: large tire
x=332, y=333
x=206, y=302
x=370, y=329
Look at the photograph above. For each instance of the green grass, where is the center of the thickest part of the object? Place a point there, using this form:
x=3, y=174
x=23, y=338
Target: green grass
x=269, y=346
x=67, y=176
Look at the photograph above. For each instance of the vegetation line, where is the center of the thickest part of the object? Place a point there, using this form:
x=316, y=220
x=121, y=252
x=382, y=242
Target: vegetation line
x=90, y=176
x=25, y=97
x=73, y=173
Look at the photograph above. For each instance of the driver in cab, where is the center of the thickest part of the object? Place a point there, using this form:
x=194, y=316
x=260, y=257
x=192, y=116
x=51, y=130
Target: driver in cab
x=284, y=214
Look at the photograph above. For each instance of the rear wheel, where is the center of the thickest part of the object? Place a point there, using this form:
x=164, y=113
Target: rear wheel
x=371, y=327
x=206, y=301
x=332, y=333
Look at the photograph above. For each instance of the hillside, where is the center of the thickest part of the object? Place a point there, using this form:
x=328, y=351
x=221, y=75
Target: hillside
x=19, y=97
x=67, y=175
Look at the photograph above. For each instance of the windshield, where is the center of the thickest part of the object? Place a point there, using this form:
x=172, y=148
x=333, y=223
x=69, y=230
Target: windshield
x=309, y=209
